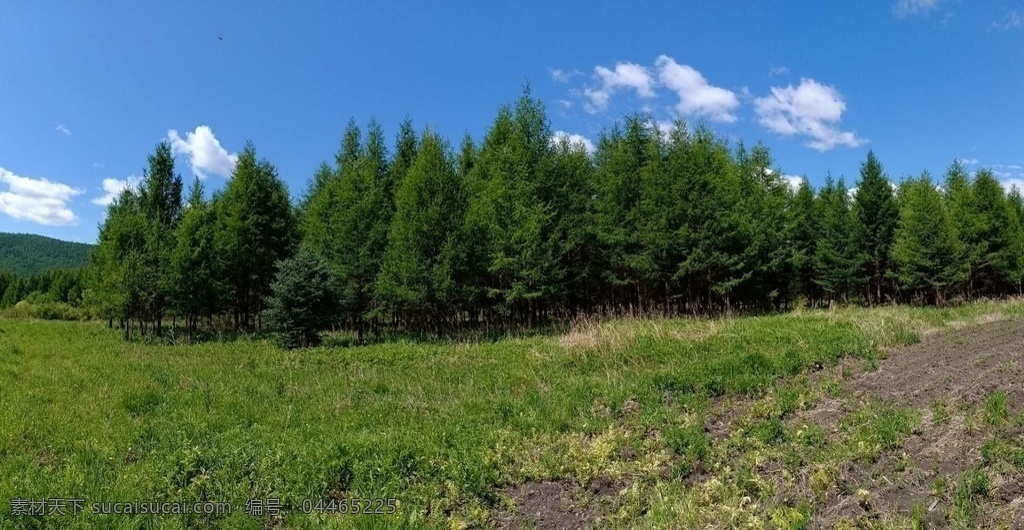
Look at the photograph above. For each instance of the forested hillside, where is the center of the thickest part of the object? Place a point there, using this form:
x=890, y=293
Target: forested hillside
x=524, y=228
x=25, y=254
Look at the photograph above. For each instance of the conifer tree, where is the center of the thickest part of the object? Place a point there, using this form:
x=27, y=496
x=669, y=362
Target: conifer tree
x=926, y=249
x=626, y=157
x=256, y=230
x=837, y=259
x=423, y=266
x=160, y=208
x=196, y=262
x=803, y=234
x=712, y=238
x=876, y=214
x=304, y=300
x=958, y=195
x=996, y=272
x=514, y=162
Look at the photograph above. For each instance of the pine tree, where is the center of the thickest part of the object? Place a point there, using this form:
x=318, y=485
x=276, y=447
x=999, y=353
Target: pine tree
x=256, y=230
x=837, y=260
x=196, y=262
x=803, y=235
x=926, y=249
x=160, y=208
x=569, y=194
x=118, y=281
x=996, y=272
x=625, y=158
x=514, y=162
x=958, y=195
x=876, y=214
x=1016, y=202
x=423, y=267
x=763, y=202
x=712, y=238
x=304, y=300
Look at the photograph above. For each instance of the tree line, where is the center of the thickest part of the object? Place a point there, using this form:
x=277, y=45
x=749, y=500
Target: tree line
x=55, y=286
x=523, y=228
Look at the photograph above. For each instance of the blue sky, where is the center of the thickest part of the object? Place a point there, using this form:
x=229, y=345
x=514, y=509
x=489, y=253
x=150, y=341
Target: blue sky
x=88, y=88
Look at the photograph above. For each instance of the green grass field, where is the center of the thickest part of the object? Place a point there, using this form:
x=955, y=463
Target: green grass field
x=444, y=428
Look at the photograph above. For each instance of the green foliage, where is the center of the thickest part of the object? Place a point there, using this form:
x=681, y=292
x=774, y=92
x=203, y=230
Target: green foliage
x=803, y=233
x=527, y=228
x=838, y=260
x=304, y=300
x=876, y=215
x=926, y=253
x=197, y=265
x=26, y=254
x=347, y=219
x=423, y=267
x=442, y=427
x=255, y=230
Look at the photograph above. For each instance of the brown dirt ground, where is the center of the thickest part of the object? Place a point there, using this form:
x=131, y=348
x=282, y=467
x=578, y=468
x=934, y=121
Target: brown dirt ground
x=958, y=368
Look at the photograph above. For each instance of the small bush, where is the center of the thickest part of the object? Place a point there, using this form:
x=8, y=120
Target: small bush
x=304, y=301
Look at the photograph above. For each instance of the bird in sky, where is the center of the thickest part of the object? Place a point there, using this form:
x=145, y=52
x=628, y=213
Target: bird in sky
x=220, y=37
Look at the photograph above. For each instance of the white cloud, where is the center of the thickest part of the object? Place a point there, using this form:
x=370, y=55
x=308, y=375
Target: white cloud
x=98, y=164
x=967, y=161
x=1010, y=183
x=777, y=70
x=793, y=181
x=1013, y=19
x=696, y=96
x=810, y=109
x=625, y=76
x=562, y=76
x=575, y=139
x=1013, y=166
x=204, y=152
x=61, y=128
x=112, y=188
x=38, y=200
x=905, y=8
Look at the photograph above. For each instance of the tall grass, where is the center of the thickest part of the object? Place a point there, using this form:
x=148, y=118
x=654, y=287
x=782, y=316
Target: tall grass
x=442, y=427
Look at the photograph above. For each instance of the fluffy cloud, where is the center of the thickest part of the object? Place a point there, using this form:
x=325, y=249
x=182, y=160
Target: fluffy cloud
x=967, y=161
x=793, y=181
x=696, y=96
x=204, y=152
x=625, y=76
x=810, y=109
x=904, y=8
x=61, y=128
x=112, y=188
x=777, y=70
x=575, y=139
x=38, y=200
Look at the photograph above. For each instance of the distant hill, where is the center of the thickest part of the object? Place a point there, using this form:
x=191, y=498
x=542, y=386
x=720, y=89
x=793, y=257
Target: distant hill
x=29, y=253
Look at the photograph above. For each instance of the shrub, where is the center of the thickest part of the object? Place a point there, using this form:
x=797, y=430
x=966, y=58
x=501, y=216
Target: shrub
x=304, y=300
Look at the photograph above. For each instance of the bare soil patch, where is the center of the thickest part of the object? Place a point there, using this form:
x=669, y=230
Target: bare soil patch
x=946, y=377
x=557, y=505
x=963, y=365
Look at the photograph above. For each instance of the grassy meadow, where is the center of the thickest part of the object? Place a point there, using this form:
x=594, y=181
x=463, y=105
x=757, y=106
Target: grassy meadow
x=447, y=427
